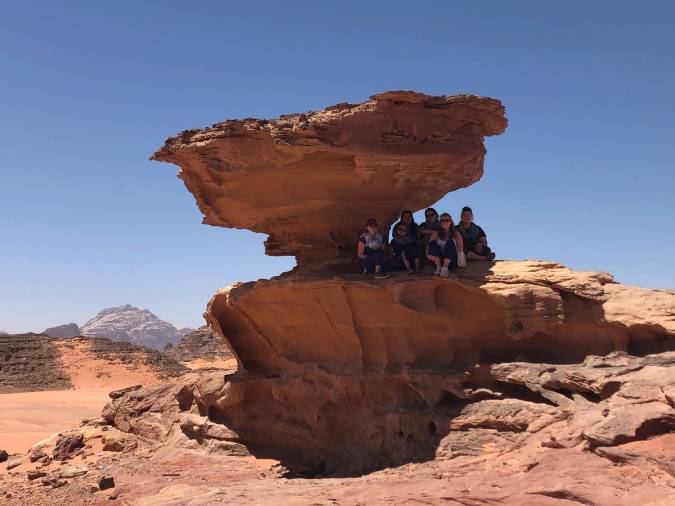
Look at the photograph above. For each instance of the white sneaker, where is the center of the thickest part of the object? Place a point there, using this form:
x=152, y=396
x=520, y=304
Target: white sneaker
x=438, y=271
x=444, y=272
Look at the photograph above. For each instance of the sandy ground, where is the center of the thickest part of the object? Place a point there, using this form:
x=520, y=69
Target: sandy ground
x=29, y=417
x=26, y=418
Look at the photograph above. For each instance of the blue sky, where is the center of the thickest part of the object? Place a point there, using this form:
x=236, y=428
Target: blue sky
x=88, y=90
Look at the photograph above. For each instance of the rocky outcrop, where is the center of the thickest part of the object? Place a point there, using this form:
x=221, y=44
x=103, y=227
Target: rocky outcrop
x=310, y=180
x=200, y=345
x=344, y=375
x=131, y=324
x=30, y=362
x=339, y=374
x=67, y=330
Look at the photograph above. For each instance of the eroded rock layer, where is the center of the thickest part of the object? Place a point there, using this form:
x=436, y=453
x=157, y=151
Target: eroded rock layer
x=310, y=180
x=343, y=375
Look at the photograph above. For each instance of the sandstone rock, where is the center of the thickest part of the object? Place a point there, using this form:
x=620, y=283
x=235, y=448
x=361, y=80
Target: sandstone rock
x=117, y=443
x=67, y=444
x=106, y=482
x=3, y=455
x=130, y=324
x=200, y=344
x=34, y=475
x=72, y=471
x=37, y=454
x=399, y=150
x=13, y=462
x=67, y=330
x=525, y=370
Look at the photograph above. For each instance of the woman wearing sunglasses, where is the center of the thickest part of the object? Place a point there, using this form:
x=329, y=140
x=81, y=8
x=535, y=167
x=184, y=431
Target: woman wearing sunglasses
x=405, y=248
x=443, y=246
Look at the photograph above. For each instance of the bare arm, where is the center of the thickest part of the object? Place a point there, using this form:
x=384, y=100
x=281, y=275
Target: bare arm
x=361, y=250
x=459, y=242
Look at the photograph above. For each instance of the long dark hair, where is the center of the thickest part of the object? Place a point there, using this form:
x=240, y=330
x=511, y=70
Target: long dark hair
x=427, y=212
x=443, y=234
x=412, y=216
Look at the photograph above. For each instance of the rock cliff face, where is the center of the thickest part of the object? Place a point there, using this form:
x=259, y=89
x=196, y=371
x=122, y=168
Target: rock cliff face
x=201, y=348
x=67, y=330
x=133, y=325
x=506, y=363
x=30, y=362
x=310, y=180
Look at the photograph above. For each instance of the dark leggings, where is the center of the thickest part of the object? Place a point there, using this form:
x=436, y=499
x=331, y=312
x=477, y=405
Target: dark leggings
x=449, y=251
x=374, y=257
x=409, y=252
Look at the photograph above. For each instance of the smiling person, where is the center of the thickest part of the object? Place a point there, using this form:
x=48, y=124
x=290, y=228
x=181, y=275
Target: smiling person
x=405, y=248
x=370, y=250
x=475, y=240
x=408, y=220
x=443, y=246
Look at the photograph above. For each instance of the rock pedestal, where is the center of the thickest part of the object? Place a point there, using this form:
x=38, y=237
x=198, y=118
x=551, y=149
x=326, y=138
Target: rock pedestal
x=341, y=374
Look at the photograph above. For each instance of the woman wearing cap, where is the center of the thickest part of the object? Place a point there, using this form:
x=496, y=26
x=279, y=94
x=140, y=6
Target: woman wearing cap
x=475, y=241
x=443, y=247
x=405, y=248
x=370, y=250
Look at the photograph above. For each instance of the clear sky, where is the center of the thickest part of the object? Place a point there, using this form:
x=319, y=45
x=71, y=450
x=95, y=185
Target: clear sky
x=584, y=174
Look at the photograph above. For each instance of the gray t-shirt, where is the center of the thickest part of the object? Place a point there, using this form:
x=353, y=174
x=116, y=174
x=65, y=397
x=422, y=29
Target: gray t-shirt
x=371, y=241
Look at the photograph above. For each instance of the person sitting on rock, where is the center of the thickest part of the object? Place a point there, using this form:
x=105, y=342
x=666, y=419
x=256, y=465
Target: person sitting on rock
x=408, y=220
x=405, y=248
x=443, y=247
x=428, y=227
x=475, y=240
x=370, y=250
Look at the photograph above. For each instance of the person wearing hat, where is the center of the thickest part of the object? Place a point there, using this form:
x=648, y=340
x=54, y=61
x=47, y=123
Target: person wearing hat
x=370, y=250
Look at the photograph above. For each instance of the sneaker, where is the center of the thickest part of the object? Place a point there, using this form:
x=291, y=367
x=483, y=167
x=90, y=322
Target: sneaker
x=381, y=275
x=444, y=272
x=438, y=271
x=364, y=272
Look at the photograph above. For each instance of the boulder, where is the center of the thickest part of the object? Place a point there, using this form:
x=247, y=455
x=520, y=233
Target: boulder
x=67, y=444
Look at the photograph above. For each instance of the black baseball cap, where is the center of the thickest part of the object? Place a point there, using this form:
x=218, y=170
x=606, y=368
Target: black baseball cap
x=371, y=221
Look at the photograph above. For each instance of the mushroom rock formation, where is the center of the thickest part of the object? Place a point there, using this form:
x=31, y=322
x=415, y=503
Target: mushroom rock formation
x=310, y=180
x=341, y=374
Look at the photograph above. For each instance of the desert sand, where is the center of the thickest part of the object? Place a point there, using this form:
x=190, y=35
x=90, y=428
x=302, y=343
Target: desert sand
x=28, y=417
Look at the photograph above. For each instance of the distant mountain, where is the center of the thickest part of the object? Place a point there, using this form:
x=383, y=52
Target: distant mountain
x=133, y=325
x=3, y=333
x=67, y=330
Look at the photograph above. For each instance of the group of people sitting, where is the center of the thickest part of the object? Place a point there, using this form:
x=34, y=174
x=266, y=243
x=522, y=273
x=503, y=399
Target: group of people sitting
x=437, y=240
